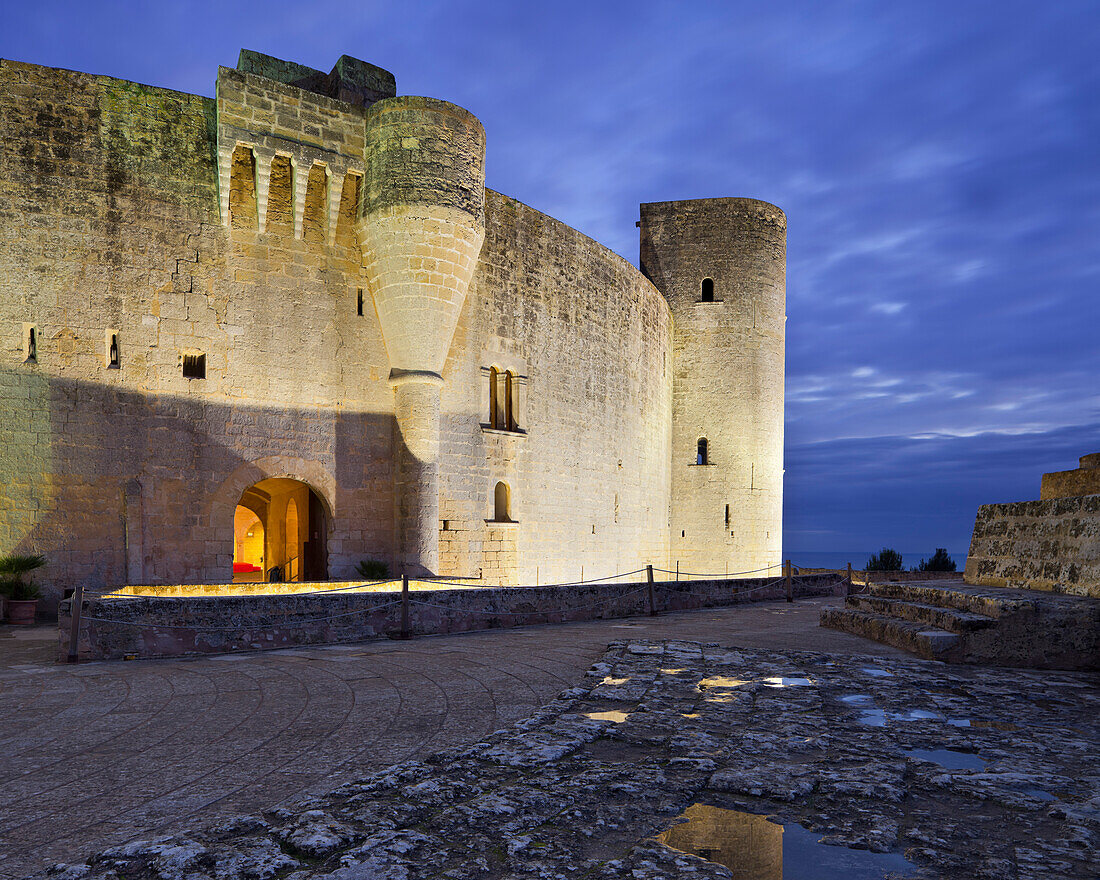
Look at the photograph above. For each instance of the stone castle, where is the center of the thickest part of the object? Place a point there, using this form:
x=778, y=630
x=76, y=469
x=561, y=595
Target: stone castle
x=275, y=333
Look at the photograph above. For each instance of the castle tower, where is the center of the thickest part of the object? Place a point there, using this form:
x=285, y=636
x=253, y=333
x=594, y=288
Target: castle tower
x=421, y=229
x=721, y=264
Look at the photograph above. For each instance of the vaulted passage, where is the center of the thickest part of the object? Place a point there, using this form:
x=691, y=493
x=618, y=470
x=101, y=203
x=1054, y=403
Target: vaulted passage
x=279, y=533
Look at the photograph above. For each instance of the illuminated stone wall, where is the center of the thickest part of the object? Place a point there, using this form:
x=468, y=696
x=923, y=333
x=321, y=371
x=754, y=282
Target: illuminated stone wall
x=727, y=514
x=229, y=232
x=1052, y=544
x=1084, y=480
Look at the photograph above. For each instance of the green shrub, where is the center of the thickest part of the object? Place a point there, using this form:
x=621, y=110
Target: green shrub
x=373, y=570
x=940, y=561
x=19, y=590
x=18, y=565
x=887, y=560
x=12, y=569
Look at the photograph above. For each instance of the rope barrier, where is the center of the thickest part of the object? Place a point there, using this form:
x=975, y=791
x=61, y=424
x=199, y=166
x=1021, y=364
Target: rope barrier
x=717, y=576
x=374, y=608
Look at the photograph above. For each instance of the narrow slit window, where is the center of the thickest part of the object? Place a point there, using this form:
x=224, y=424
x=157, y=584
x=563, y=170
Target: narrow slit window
x=509, y=401
x=494, y=414
x=194, y=366
x=111, y=354
x=359, y=303
x=701, y=456
x=727, y=516
x=30, y=344
x=708, y=290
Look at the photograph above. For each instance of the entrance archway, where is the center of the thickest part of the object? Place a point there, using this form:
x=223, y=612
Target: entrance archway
x=280, y=533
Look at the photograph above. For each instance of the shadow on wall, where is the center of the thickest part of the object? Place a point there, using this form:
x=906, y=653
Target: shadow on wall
x=115, y=486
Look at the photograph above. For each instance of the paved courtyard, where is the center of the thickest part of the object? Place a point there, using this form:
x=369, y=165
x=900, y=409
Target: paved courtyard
x=96, y=754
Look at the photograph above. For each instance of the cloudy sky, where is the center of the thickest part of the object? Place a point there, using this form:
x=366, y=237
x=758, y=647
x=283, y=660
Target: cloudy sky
x=938, y=163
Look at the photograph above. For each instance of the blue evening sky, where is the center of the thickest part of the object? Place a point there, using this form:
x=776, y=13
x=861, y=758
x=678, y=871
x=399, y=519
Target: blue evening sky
x=937, y=161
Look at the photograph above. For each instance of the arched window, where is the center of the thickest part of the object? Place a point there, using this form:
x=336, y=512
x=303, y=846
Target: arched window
x=701, y=452
x=494, y=416
x=502, y=503
x=708, y=290
x=509, y=401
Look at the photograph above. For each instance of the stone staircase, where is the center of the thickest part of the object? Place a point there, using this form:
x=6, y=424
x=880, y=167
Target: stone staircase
x=958, y=623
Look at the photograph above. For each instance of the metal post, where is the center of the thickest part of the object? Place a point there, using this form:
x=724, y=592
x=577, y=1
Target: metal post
x=406, y=633
x=790, y=586
x=652, y=601
x=76, y=605
x=677, y=569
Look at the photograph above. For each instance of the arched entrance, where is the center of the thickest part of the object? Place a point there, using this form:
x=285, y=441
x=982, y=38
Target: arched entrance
x=280, y=533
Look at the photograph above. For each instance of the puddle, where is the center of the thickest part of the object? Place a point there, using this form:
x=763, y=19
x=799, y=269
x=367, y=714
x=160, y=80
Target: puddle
x=777, y=682
x=613, y=715
x=878, y=717
x=948, y=758
x=878, y=673
x=720, y=681
x=1039, y=794
x=754, y=848
x=872, y=718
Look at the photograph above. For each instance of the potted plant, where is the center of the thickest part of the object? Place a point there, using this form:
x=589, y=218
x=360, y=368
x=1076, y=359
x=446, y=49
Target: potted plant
x=22, y=595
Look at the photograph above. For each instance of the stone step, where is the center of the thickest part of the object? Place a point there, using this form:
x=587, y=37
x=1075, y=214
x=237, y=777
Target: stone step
x=918, y=638
x=938, y=616
x=985, y=601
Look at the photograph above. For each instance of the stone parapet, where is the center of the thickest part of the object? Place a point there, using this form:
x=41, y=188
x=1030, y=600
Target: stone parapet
x=144, y=627
x=1052, y=544
x=1084, y=480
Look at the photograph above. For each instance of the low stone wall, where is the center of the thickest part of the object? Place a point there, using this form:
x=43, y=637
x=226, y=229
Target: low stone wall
x=155, y=626
x=1038, y=545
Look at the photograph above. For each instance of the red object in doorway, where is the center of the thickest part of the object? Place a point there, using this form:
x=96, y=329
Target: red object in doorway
x=245, y=567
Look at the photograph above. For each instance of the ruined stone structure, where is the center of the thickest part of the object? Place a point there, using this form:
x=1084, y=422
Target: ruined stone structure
x=287, y=329
x=1049, y=544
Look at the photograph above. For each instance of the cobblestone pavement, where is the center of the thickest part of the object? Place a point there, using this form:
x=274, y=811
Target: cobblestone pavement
x=874, y=767
x=96, y=754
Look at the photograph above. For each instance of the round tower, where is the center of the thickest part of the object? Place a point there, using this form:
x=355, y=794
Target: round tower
x=420, y=230
x=721, y=264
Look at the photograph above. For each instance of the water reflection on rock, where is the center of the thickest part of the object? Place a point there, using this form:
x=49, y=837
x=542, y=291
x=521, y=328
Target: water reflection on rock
x=755, y=848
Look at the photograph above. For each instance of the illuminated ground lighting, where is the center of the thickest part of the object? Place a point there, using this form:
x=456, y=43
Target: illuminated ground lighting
x=322, y=588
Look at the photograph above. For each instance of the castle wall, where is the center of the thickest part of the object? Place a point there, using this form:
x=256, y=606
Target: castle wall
x=1084, y=480
x=226, y=229
x=588, y=339
x=1052, y=544
x=111, y=220
x=727, y=513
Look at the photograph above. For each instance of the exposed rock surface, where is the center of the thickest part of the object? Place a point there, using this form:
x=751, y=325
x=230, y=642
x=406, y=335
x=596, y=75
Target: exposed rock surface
x=580, y=788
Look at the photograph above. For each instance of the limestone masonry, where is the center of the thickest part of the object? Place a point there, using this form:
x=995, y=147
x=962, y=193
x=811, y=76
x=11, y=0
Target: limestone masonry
x=1050, y=544
x=273, y=334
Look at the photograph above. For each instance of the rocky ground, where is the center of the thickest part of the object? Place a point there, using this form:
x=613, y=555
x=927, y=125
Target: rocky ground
x=846, y=746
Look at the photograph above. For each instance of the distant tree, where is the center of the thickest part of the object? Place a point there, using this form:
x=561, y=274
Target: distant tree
x=940, y=561
x=888, y=560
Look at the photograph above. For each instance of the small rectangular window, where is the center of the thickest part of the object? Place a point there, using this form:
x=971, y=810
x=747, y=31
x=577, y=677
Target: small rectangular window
x=194, y=366
x=359, y=302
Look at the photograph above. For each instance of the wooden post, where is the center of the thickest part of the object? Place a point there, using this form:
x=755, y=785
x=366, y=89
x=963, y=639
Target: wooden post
x=677, y=569
x=582, y=574
x=849, y=587
x=652, y=601
x=76, y=606
x=790, y=585
x=406, y=633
